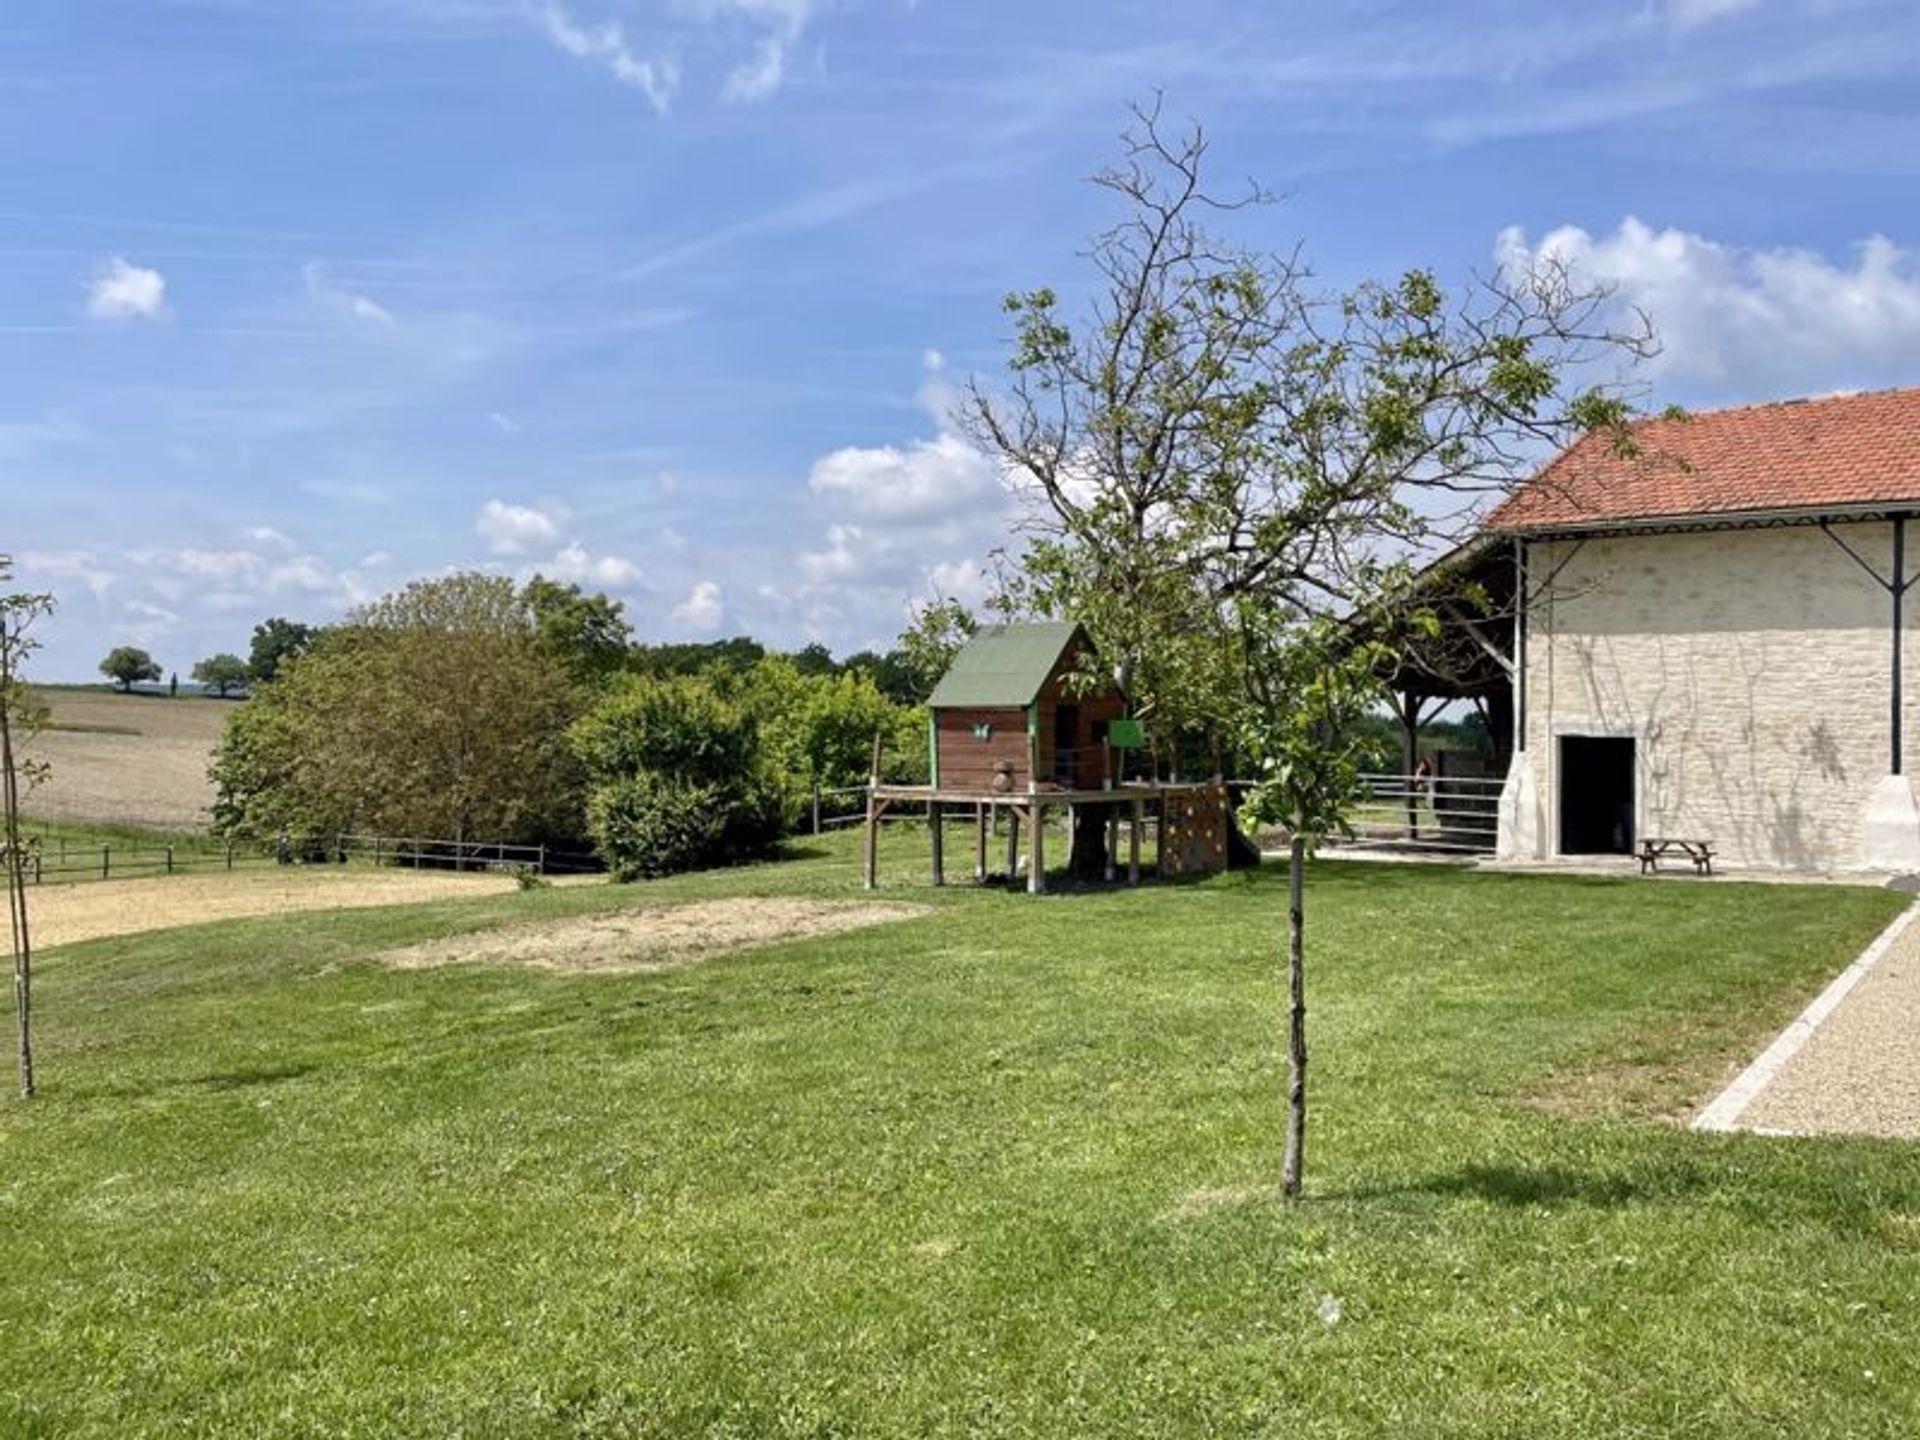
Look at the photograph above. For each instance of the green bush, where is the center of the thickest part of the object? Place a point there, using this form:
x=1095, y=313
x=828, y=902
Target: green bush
x=676, y=778
x=649, y=824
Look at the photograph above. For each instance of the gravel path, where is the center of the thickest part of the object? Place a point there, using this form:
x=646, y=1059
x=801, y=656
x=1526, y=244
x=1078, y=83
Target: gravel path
x=1859, y=1072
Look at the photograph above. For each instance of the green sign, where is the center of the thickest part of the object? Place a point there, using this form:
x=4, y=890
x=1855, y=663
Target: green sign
x=1126, y=734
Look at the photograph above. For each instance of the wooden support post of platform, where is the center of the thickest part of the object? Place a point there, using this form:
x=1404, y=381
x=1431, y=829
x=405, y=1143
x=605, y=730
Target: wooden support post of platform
x=935, y=812
x=1111, y=834
x=982, y=822
x=872, y=854
x=1036, y=849
x=1013, y=843
x=1133, y=843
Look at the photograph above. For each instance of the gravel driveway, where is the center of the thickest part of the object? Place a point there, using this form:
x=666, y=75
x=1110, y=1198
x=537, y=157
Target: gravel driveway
x=1859, y=1071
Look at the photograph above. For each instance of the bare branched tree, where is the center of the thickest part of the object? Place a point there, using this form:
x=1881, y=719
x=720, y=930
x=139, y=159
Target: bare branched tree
x=1224, y=460
x=19, y=717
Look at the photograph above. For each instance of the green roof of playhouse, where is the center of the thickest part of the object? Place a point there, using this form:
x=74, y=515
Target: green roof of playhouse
x=1004, y=665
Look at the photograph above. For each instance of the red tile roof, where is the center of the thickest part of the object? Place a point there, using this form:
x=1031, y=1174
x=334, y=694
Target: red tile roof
x=1839, y=453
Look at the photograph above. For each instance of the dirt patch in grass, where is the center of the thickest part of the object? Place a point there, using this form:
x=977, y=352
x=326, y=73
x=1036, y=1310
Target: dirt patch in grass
x=67, y=914
x=1196, y=1203
x=655, y=938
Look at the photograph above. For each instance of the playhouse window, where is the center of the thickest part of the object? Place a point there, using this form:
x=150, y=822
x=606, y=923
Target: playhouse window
x=983, y=730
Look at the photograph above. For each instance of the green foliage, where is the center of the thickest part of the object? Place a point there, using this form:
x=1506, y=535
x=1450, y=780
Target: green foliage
x=927, y=646
x=275, y=642
x=128, y=665
x=676, y=777
x=649, y=825
x=222, y=672
x=733, y=656
x=433, y=712
x=587, y=634
x=818, y=729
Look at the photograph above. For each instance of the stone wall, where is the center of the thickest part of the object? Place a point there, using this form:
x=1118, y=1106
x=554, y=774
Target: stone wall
x=1751, y=667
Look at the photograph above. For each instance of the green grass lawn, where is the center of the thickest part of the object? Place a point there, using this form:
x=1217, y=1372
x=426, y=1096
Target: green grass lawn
x=1006, y=1169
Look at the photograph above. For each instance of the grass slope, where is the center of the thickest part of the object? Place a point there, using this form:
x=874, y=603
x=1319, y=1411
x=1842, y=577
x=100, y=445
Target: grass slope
x=997, y=1171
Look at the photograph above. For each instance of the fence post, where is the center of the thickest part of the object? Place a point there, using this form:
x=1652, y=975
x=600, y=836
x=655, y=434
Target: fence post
x=229, y=854
x=816, y=807
x=169, y=859
x=106, y=863
x=540, y=864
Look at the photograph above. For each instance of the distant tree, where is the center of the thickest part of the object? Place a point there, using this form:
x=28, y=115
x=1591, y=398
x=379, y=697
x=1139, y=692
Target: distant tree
x=815, y=659
x=20, y=716
x=893, y=675
x=127, y=665
x=928, y=645
x=588, y=634
x=433, y=712
x=730, y=657
x=275, y=642
x=222, y=672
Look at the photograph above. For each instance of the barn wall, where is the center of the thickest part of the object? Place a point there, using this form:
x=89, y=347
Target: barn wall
x=1751, y=668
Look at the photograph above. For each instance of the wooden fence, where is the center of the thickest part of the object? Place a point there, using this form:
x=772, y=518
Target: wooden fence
x=53, y=860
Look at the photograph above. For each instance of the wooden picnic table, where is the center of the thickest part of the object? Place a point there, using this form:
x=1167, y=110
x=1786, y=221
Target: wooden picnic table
x=1654, y=847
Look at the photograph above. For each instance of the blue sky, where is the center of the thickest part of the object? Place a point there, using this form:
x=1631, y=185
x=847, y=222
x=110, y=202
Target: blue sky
x=302, y=298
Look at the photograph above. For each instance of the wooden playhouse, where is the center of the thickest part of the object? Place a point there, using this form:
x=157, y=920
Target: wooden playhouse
x=1011, y=734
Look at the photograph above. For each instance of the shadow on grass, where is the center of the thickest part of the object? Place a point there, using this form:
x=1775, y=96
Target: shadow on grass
x=1534, y=1185
x=249, y=1076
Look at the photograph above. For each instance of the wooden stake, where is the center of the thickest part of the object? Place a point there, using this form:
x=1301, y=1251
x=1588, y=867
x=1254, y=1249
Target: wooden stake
x=1037, y=852
x=1013, y=843
x=934, y=816
x=982, y=821
x=872, y=839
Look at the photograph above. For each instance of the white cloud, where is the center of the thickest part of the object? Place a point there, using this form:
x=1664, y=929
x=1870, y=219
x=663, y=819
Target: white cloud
x=504, y=423
x=145, y=623
x=704, y=608
x=759, y=77
x=121, y=291
x=939, y=476
x=267, y=535
x=1688, y=13
x=515, y=529
x=343, y=301
x=38, y=566
x=1751, y=321
x=607, y=45
x=574, y=563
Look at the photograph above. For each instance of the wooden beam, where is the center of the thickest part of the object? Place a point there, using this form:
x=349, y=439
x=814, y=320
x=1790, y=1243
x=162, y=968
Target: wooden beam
x=934, y=816
x=1037, y=850
x=1013, y=843
x=1113, y=841
x=982, y=822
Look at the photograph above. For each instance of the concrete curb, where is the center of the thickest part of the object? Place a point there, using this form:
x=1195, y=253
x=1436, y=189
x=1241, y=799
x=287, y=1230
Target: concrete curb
x=1723, y=1113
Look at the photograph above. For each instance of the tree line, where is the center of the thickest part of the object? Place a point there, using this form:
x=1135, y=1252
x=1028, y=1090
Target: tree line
x=469, y=708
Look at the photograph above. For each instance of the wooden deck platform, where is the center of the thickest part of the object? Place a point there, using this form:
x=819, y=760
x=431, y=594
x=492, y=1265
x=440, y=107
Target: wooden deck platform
x=1022, y=807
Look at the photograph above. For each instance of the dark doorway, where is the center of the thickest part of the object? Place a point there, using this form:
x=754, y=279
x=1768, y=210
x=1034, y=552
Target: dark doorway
x=1596, y=795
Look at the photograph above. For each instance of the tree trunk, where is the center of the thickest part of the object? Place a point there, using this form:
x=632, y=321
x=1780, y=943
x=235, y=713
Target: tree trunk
x=1087, y=859
x=1296, y=1019
x=16, y=879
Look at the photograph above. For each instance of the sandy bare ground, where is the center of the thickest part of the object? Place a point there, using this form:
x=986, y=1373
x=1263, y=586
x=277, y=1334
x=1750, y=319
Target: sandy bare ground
x=657, y=938
x=64, y=914
x=1859, y=1072
x=156, y=775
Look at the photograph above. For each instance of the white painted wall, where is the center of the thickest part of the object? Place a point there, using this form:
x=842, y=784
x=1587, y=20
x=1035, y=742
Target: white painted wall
x=1751, y=668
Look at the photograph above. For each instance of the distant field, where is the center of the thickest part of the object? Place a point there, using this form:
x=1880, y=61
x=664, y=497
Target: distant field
x=126, y=759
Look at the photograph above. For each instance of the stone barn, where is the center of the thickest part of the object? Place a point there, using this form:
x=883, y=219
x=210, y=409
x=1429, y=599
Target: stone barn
x=1708, y=639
